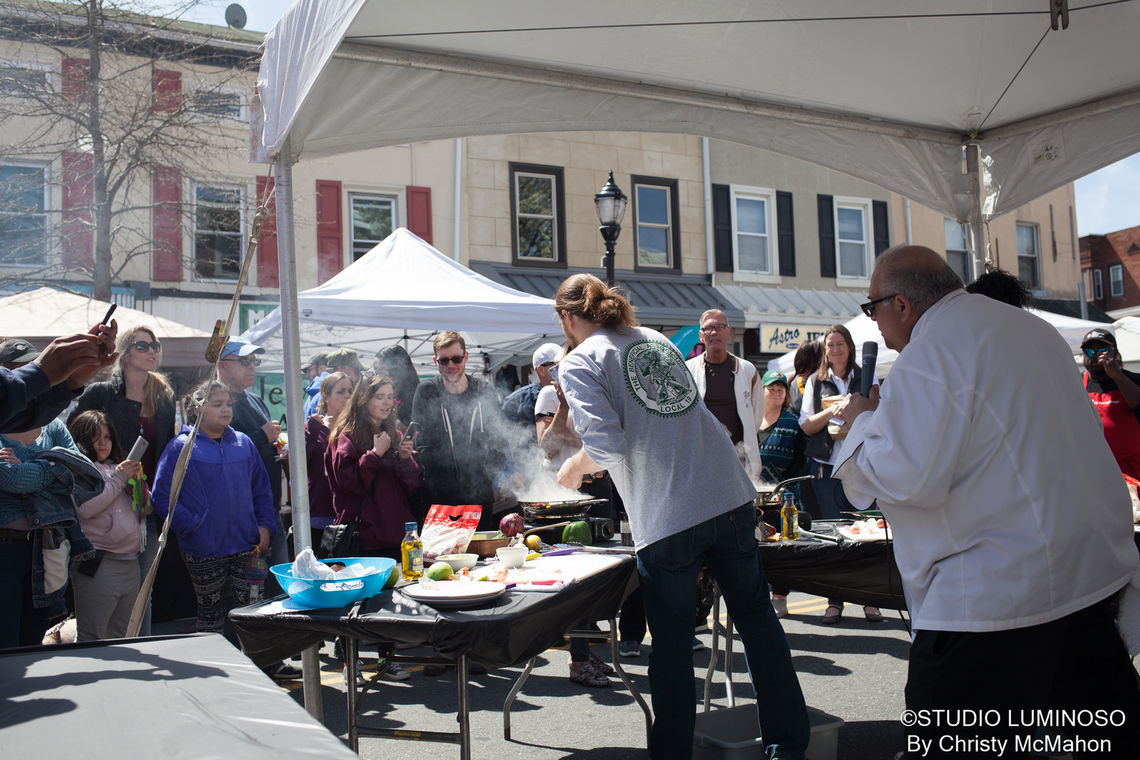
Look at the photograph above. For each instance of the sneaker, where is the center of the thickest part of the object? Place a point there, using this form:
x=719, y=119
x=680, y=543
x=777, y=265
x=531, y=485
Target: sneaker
x=391, y=671
x=698, y=645
x=780, y=605
x=629, y=649
x=283, y=671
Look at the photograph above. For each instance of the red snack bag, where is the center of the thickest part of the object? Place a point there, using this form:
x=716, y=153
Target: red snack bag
x=448, y=529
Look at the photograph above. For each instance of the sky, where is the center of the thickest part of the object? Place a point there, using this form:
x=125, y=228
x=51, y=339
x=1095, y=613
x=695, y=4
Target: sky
x=1107, y=200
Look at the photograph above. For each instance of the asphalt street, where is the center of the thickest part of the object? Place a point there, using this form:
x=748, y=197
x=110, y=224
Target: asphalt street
x=855, y=671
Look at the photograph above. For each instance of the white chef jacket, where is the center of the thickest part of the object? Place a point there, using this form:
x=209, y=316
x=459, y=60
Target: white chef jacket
x=986, y=456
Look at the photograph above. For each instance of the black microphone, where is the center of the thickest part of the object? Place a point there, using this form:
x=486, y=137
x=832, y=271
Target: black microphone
x=870, y=355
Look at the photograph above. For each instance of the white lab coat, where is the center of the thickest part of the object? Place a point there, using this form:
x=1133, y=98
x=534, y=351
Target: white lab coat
x=986, y=456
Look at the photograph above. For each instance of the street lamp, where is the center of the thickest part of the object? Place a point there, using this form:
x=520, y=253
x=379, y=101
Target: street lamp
x=610, y=203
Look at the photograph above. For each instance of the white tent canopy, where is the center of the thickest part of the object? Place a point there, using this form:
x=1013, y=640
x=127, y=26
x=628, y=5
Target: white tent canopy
x=404, y=290
x=885, y=90
x=42, y=315
x=864, y=329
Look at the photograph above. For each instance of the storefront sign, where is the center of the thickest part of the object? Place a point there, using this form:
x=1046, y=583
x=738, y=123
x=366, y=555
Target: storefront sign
x=779, y=339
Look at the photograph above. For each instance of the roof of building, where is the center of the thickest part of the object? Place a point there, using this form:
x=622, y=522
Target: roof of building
x=666, y=300
x=823, y=307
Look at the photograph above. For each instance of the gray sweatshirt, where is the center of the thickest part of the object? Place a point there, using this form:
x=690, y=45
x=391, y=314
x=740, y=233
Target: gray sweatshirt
x=636, y=407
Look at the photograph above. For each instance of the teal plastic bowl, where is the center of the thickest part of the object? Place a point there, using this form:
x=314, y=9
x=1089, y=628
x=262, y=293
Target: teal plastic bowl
x=327, y=594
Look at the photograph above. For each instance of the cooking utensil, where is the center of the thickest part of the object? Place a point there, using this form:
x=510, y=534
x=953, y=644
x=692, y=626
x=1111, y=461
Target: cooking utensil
x=567, y=509
x=485, y=543
x=768, y=496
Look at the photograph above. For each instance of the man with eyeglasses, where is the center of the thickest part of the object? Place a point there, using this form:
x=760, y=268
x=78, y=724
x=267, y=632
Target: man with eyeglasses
x=1011, y=522
x=1115, y=392
x=728, y=385
x=461, y=441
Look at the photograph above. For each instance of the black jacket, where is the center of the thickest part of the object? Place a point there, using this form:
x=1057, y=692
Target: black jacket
x=461, y=443
x=111, y=397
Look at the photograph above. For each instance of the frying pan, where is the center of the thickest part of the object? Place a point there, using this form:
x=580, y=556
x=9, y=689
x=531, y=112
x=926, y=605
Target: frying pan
x=554, y=511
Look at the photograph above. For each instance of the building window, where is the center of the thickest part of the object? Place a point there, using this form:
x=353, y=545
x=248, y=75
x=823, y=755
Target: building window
x=538, y=211
x=1028, y=265
x=23, y=80
x=656, y=233
x=218, y=104
x=373, y=219
x=1116, y=280
x=23, y=214
x=957, y=255
x=852, y=237
x=1098, y=285
x=753, y=225
x=218, y=225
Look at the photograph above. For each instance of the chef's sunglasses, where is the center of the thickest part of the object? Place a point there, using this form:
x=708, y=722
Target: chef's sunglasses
x=143, y=346
x=1092, y=353
x=869, y=307
x=443, y=361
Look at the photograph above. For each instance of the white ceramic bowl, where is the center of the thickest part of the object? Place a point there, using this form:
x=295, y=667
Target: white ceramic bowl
x=512, y=556
x=459, y=561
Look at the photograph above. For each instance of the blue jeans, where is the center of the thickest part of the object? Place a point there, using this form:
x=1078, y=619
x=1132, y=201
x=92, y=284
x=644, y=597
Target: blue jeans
x=21, y=624
x=668, y=569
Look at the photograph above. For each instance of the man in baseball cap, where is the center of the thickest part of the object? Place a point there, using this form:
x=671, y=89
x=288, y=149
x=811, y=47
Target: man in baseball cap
x=519, y=406
x=16, y=352
x=1115, y=392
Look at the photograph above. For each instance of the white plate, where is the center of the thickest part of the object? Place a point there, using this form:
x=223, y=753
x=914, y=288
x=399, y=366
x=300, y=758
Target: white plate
x=875, y=535
x=455, y=593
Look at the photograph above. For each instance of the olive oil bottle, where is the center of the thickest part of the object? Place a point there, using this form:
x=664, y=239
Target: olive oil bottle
x=789, y=519
x=411, y=554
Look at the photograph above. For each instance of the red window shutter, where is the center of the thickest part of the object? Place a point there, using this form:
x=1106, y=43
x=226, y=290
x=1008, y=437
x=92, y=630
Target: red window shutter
x=166, y=223
x=268, y=275
x=330, y=230
x=78, y=235
x=74, y=77
x=419, y=211
x=167, y=90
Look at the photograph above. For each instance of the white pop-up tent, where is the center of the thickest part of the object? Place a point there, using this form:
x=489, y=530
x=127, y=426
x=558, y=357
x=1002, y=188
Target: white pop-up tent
x=864, y=329
x=971, y=110
x=890, y=91
x=404, y=290
x=44, y=314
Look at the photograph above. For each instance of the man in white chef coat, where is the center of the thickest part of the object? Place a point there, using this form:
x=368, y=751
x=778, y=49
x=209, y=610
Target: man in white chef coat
x=1010, y=517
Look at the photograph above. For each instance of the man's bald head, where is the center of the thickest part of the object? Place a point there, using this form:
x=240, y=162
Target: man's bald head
x=916, y=272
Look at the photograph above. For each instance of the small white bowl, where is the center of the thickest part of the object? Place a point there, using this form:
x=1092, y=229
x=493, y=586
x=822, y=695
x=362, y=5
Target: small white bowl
x=512, y=556
x=459, y=561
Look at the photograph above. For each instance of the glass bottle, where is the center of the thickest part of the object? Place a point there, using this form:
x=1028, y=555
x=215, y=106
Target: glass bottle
x=789, y=519
x=411, y=554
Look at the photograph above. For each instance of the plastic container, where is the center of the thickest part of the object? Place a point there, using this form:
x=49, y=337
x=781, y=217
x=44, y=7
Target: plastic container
x=459, y=561
x=733, y=733
x=335, y=593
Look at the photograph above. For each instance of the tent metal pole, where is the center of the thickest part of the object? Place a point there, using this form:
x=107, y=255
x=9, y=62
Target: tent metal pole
x=294, y=397
x=977, y=218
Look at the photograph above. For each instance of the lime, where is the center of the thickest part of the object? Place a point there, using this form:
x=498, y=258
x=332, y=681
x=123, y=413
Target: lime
x=439, y=571
x=393, y=576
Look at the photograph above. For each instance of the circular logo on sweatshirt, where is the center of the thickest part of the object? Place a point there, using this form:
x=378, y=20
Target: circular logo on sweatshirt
x=658, y=378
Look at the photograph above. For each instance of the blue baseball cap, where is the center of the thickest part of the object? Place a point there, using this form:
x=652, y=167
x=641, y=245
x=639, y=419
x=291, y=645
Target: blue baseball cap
x=239, y=347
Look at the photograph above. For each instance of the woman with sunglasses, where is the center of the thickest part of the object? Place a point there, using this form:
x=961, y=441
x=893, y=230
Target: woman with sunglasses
x=140, y=402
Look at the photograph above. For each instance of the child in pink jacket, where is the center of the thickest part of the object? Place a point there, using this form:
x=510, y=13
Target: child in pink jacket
x=105, y=587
